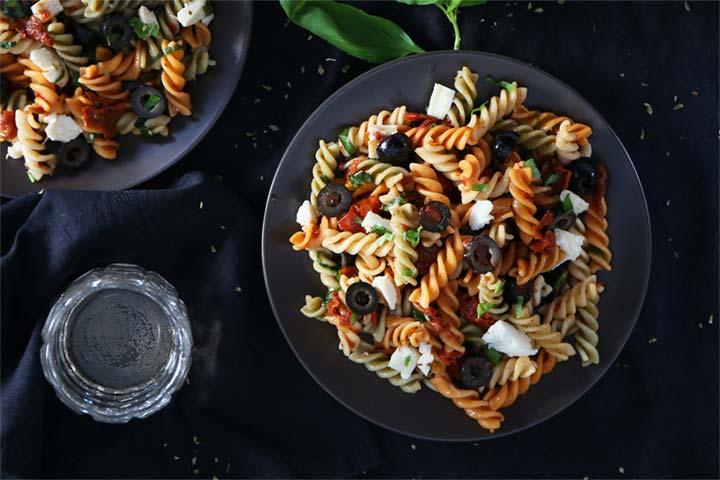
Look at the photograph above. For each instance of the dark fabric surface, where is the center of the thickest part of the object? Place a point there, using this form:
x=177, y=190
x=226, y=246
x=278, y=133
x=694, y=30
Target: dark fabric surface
x=250, y=404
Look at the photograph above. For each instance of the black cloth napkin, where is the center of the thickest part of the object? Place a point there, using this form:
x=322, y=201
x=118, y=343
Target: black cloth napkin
x=247, y=409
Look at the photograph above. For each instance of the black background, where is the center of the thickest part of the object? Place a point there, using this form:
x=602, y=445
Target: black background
x=655, y=414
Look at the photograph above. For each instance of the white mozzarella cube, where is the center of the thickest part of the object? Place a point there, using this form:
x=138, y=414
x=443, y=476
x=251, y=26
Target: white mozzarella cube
x=306, y=214
x=480, y=214
x=404, y=360
x=61, y=128
x=579, y=205
x=373, y=220
x=440, y=101
x=52, y=67
x=505, y=338
x=386, y=287
x=569, y=243
x=191, y=13
x=46, y=9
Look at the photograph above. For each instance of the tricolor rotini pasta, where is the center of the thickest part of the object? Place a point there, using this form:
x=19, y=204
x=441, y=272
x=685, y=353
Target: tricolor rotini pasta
x=94, y=70
x=459, y=247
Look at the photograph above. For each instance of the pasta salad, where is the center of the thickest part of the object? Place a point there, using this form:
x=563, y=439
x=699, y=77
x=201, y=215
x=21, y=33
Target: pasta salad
x=459, y=247
x=76, y=74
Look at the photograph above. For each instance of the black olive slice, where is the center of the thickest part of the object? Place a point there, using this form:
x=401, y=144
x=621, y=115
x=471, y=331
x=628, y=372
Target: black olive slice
x=361, y=298
x=435, y=216
x=502, y=146
x=147, y=102
x=584, y=176
x=334, y=199
x=74, y=154
x=483, y=254
x=476, y=372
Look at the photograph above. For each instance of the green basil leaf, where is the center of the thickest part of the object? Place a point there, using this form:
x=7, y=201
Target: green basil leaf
x=419, y=2
x=151, y=101
x=408, y=272
x=492, y=355
x=378, y=230
x=345, y=140
x=480, y=187
x=364, y=36
x=412, y=236
x=476, y=110
x=357, y=179
x=353, y=318
x=7, y=45
x=519, y=305
x=535, y=172
x=483, y=308
x=499, y=286
x=407, y=360
x=567, y=204
x=552, y=178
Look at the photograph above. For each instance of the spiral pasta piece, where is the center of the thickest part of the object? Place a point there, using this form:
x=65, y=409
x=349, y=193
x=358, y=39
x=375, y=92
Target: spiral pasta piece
x=391, y=175
x=13, y=70
x=37, y=163
x=196, y=36
x=324, y=265
x=314, y=236
x=445, y=268
x=578, y=296
x=441, y=159
x=314, y=308
x=468, y=400
x=490, y=293
x=540, y=290
x=537, y=263
x=448, y=304
x=598, y=241
x=404, y=218
x=64, y=45
x=131, y=123
x=369, y=266
x=427, y=184
x=173, y=80
x=505, y=395
x=497, y=108
x=405, y=331
x=542, y=334
x=377, y=363
x=465, y=81
x=358, y=136
x=512, y=369
x=323, y=171
x=357, y=243
x=167, y=18
x=523, y=206
x=586, y=337
x=14, y=42
x=46, y=96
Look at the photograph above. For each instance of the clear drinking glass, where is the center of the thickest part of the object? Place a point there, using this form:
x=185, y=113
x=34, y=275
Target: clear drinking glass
x=117, y=343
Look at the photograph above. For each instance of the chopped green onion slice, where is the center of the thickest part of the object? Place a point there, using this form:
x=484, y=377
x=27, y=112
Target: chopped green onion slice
x=407, y=360
x=358, y=220
x=144, y=30
x=8, y=44
x=165, y=51
x=535, y=172
x=480, y=187
x=151, y=101
x=501, y=83
x=567, y=204
x=595, y=250
x=378, y=229
x=478, y=109
x=328, y=296
x=560, y=281
x=412, y=236
x=345, y=140
x=353, y=318
x=483, y=308
x=420, y=317
x=325, y=179
x=552, y=179
x=387, y=236
x=357, y=179
x=30, y=176
x=492, y=355
x=499, y=286
x=408, y=272
x=519, y=305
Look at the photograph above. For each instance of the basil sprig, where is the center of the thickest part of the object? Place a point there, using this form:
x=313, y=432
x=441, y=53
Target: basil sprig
x=450, y=9
x=364, y=36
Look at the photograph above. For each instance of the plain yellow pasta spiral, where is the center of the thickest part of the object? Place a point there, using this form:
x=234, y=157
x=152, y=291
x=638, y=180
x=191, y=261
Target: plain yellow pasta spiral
x=465, y=81
x=173, y=80
x=38, y=164
x=505, y=395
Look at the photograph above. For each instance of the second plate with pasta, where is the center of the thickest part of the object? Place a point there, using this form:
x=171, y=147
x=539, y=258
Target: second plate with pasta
x=463, y=270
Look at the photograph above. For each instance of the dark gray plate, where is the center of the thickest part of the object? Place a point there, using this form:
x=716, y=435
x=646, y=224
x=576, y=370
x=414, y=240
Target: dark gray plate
x=289, y=275
x=141, y=158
